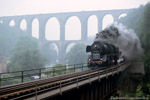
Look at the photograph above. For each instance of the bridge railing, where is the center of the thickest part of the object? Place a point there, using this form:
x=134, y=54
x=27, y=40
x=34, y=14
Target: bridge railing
x=34, y=88
x=10, y=78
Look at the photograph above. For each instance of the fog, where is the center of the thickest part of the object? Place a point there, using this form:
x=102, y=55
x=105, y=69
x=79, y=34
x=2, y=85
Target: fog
x=27, y=7
x=23, y=7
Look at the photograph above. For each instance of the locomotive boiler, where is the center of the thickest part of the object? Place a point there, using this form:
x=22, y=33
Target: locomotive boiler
x=102, y=54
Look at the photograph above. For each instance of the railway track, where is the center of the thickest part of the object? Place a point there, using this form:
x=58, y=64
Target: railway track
x=37, y=87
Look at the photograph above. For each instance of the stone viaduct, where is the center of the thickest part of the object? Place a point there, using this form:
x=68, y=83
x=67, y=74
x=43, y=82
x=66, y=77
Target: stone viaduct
x=62, y=19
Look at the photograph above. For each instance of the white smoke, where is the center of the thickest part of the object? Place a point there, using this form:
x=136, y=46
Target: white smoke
x=126, y=39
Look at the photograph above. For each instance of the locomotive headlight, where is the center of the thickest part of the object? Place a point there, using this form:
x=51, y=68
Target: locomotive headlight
x=89, y=59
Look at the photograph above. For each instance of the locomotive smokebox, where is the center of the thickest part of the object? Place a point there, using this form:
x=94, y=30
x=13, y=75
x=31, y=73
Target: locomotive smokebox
x=102, y=54
x=88, y=48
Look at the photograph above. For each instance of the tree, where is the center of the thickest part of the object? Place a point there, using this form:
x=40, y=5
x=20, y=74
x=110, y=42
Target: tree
x=144, y=28
x=8, y=38
x=144, y=31
x=26, y=55
x=50, y=53
x=139, y=20
x=77, y=54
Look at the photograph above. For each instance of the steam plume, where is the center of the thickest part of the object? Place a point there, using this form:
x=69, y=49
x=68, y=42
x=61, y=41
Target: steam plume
x=125, y=39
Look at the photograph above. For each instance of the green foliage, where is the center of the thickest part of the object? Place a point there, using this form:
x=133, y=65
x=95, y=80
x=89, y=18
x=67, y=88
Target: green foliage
x=77, y=54
x=144, y=30
x=61, y=69
x=50, y=53
x=58, y=69
x=148, y=95
x=139, y=20
x=26, y=55
x=8, y=38
x=147, y=67
x=71, y=69
x=9, y=79
x=139, y=93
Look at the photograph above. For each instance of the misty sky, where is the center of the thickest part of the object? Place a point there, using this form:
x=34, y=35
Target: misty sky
x=22, y=7
x=25, y=7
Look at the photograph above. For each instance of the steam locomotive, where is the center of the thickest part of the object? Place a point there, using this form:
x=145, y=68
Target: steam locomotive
x=102, y=54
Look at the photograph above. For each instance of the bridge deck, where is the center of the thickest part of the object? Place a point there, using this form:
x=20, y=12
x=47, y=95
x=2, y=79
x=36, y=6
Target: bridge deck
x=57, y=85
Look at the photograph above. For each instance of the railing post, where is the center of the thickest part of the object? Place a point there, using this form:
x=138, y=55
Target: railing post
x=117, y=69
x=77, y=82
x=40, y=73
x=74, y=68
x=89, y=79
x=65, y=69
x=22, y=76
x=60, y=87
x=99, y=78
x=113, y=72
x=53, y=71
x=36, y=91
x=106, y=72
x=120, y=68
x=0, y=80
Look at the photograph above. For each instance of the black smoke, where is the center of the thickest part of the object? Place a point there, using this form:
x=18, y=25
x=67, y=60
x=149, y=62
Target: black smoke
x=125, y=39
